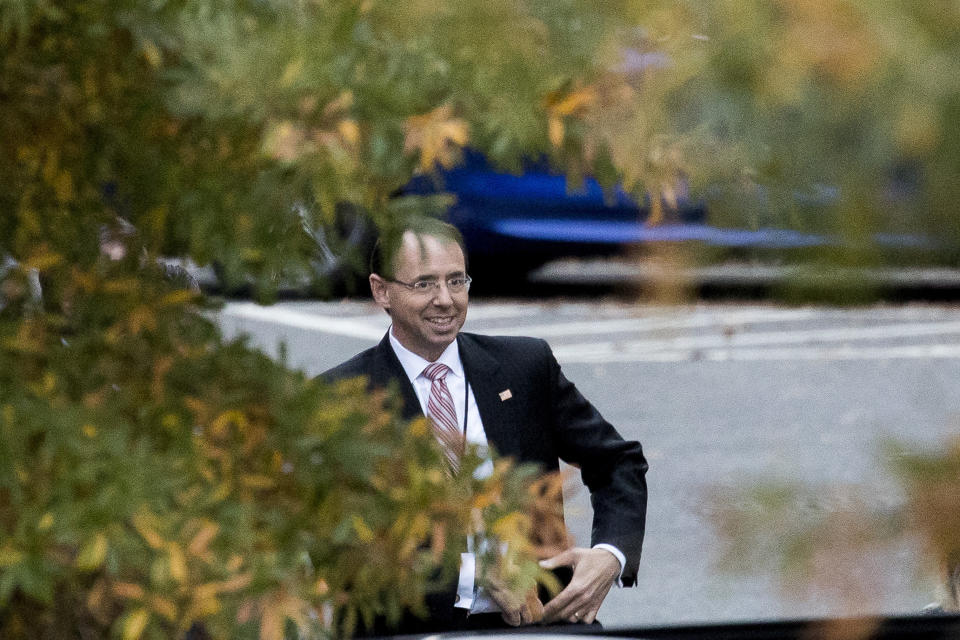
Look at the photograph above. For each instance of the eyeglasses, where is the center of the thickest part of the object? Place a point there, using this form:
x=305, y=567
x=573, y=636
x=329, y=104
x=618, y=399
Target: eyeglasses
x=455, y=284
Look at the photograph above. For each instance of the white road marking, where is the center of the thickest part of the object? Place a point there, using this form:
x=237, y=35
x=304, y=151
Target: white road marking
x=351, y=327
x=808, y=336
x=846, y=352
x=656, y=323
x=497, y=311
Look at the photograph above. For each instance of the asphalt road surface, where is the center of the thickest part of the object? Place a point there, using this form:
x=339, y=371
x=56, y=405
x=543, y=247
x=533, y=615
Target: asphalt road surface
x=719, y=394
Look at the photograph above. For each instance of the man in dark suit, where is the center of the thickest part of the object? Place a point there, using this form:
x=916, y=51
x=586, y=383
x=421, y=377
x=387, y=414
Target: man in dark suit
x=508, y=393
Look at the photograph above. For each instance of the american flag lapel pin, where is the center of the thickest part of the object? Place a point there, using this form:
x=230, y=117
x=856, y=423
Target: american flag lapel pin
x=505, y=395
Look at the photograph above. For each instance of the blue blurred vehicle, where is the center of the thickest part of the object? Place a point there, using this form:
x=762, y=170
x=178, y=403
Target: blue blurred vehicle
x=517, y=222
x=513, y=223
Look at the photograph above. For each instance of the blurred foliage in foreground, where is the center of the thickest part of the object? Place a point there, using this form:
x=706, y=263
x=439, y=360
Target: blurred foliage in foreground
x=842, y=541
x=842, y=113
x=152, y=474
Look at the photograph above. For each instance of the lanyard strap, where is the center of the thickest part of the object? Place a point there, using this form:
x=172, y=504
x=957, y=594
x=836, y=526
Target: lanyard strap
x=466, y=404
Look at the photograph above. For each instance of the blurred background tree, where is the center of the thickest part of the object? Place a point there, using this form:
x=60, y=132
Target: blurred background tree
x=832, y=117
x=222, y=129
x=153, y=474
x=848, y=542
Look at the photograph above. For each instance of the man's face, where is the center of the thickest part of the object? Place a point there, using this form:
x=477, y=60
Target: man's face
x=424, y=322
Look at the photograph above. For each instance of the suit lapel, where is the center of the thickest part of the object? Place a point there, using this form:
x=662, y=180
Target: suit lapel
x=488, y=380
x=388, y=371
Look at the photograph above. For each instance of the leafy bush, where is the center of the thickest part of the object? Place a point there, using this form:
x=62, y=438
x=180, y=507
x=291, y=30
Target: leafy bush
x=153, y=475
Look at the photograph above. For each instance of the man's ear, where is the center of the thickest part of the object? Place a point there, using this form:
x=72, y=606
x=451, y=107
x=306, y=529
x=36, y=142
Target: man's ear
x=378, y=287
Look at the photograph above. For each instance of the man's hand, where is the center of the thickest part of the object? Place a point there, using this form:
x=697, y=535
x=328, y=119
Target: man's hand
x=594, y=571
x=516, y=609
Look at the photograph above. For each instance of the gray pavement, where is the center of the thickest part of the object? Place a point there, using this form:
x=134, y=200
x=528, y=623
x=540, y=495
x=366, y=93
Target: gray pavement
x=718, y=394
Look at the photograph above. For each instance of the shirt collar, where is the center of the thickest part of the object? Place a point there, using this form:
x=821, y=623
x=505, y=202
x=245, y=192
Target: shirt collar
x=413, y=365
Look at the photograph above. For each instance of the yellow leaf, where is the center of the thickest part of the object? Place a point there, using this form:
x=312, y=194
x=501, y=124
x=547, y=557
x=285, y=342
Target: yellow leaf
x=93, y=553
x=43, y=260
x=420, y=525
x=234, y=563
x=45, y=522
x=571, y=103
x=89, y=430
x=363, y=530
x=291, y=72
x=204, y=592
x=349, y=131
x=271, y=624
x=256, y=481
x=235, y=583
x=143, y=523
x=178, y=563
x=97, y=602
x=221, y=424
x=49, y=382
x=321, y=588
x=341, y=103
x=555, y=131
x=419, y=427
x=152, y=53
x=118, y=285
x=177, y=298
x=128, y=590
x=245, y=611
x=509, y=526
x=222, y=492
x=143, y=318
x=437, y=135
x=135, y=623
x=284, y=141
x=485, y=499
x=204, y=605
x=198, y=546
x=9, y=556
x=164, y=607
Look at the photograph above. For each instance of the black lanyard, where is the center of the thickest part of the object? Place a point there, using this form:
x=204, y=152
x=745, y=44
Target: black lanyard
x=466, y=404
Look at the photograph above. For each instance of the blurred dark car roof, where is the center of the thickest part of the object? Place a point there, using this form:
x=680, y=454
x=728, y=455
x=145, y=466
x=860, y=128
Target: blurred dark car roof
x=914, y=627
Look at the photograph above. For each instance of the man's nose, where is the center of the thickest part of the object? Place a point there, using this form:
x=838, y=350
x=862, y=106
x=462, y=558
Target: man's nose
x=441, y=295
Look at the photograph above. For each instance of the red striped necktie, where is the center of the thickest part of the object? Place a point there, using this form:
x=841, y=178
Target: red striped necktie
x=443, y=414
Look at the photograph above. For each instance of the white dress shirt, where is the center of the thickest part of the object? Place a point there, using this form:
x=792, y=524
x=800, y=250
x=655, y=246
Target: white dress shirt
x=468, y=595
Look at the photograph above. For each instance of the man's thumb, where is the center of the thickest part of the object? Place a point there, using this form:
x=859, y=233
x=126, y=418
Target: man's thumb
x=562, y=559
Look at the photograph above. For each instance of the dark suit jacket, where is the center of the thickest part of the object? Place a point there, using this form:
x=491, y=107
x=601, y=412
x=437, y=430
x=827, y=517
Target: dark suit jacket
x=546, y=419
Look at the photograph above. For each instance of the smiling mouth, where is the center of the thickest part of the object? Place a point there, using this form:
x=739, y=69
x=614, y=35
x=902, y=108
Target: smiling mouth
x=442, y=322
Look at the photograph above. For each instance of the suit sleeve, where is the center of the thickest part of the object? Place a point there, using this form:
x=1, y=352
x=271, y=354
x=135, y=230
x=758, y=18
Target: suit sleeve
x=612, y=468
